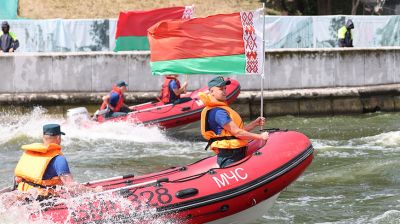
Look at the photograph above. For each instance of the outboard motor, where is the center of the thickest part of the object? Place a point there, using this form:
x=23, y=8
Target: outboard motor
x=78, y=116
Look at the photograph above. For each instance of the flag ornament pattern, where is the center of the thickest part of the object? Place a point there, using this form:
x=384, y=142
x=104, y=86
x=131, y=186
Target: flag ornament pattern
x=224, y=44
x=188, y=13
x=252, y=43
x=132, y=26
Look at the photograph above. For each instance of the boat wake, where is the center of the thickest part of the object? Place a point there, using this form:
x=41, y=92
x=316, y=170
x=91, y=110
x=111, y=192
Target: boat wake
x=20, y=128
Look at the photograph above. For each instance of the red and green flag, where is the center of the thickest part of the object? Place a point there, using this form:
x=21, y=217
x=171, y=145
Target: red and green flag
x=132, y=26
x=225, y=44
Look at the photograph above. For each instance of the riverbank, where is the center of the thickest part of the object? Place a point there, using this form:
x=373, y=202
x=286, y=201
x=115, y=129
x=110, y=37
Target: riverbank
x=298, y=102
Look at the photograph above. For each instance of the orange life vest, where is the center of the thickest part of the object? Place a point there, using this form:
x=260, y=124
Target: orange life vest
x=165, y=95
x=32, y=166
x=225, y=140
x=120, y=102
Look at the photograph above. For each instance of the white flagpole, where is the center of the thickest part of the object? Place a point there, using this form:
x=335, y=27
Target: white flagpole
x=263, y=68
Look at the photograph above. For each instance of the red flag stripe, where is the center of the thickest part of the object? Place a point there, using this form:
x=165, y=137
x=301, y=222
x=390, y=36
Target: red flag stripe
x=136, y=23
x=218, y=35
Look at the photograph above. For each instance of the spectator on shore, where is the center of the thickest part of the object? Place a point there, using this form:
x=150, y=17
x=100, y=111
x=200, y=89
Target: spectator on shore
x=8, y=40
x=345, y=34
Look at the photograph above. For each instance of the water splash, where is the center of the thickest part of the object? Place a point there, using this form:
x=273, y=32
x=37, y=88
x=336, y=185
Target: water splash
x=16, y=207
x=85, y=208
x=391, y=216
x=17, y=127
x=384, y=142
x=119, y=131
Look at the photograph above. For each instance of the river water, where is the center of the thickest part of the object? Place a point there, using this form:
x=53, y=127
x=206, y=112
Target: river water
x=354, y=178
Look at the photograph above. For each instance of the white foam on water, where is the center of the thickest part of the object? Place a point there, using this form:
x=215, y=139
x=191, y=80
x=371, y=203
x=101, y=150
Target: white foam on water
x=389, y=141
x=391, y=216
x=120, y=131
x=361, y=220
x=388, y=217
x=87, y=208
x=336, y=149
x=173, y=148
x=326, y=144
x=305, y=201
x=15, y=125
x=384, y=142
x=375, y=196
x=336, y=154
x=278, y=218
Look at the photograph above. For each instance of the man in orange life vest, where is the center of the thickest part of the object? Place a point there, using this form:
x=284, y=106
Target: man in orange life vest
x=171, y=90
x=43, y=166
x=223, y=127
x=114, y=101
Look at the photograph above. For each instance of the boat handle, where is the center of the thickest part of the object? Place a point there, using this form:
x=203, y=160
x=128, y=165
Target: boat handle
x=186, y=193
x=185, y=108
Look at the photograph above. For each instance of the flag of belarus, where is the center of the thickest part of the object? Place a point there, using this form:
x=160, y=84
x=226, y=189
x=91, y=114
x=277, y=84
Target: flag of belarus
x=225, y=44
x=132, y=26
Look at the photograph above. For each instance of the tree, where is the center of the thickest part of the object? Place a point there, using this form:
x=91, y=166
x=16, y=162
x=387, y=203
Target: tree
x=354, y=6
x=292, y=7
x=306, y=7
x=324, y=7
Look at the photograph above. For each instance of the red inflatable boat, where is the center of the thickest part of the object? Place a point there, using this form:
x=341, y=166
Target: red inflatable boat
x=199, y=192
x=170, y=115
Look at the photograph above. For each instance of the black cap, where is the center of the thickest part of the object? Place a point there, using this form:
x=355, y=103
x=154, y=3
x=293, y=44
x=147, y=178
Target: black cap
x=52, y=130
x=218, y=81
x=5, y=24
x=121, y=83
x=349, y=24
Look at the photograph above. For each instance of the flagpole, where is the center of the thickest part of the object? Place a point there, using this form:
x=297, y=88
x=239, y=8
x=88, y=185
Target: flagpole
x=263, y=68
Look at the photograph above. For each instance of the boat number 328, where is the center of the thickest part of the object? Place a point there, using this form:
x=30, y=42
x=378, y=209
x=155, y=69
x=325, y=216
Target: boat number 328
x=159, y=196
x=103, y=209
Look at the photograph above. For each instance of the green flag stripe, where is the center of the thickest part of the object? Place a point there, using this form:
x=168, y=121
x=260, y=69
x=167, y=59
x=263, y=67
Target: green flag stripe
x=130, y=43
x=221, y=65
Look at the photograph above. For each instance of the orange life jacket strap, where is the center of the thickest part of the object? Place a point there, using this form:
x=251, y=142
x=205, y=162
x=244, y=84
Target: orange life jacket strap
x=43, y=191
x=35, y=185
x=211, y=140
